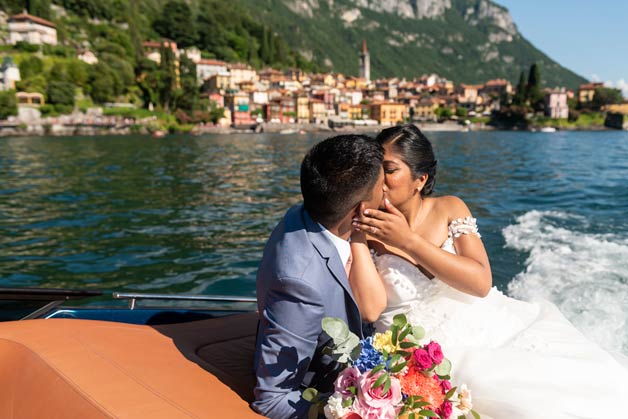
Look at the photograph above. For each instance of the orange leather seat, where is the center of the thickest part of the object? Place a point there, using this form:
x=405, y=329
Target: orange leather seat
x=64, y=368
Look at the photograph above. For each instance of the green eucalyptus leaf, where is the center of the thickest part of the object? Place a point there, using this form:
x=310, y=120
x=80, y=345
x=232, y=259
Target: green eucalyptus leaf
x=475, y=414
x=418, y=332
x=450, y=393
x=377, y=369
x=400, y=320
x=395, y=331
x=310, y=394
x=428, y=413
x=412, y=416
x=444, y=367
x=335, y=328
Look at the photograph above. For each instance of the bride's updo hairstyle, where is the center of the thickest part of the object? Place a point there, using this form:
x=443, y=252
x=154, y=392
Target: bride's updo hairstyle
x=415, y=151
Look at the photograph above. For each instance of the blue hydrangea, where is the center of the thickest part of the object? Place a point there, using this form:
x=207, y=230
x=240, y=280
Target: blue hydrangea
x=369, y=356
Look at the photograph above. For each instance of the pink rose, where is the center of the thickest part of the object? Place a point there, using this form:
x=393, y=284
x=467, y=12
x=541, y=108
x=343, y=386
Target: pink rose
x=423, y=359
x=436, y=353
x=445, y=385
x=351, y=415
x=347, y=378
x=372, y=403
x=445, y=410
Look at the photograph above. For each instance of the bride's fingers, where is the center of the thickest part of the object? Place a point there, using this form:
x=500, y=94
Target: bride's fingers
x=375, y=214
x=371, y=226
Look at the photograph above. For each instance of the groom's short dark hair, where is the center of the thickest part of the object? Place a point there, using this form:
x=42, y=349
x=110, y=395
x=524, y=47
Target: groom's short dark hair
x=338, y=173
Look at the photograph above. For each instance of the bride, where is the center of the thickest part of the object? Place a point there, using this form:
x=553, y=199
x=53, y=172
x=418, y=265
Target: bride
x=424, y=257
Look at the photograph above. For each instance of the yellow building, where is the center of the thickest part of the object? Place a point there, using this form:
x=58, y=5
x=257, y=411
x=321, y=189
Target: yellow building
x=303, y=109
x=318, y=110
x=587, y=91
x=389, y=113
x=426, y=110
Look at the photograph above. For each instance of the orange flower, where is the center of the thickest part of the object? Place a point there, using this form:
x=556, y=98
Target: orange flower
x=414, y=383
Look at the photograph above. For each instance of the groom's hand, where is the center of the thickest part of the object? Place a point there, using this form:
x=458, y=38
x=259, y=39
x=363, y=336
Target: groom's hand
x=390, y=227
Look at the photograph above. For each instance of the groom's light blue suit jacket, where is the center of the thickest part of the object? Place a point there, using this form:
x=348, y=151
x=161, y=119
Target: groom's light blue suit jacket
x=301, y=279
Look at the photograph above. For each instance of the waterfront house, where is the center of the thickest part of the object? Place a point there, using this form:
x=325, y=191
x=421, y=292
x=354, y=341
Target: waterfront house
x=9, y=74
x=205, y=69
x=425, y=110
x=303, y=109
x=587, y=91
x=282, y=110
x=496, y=88
x=31, y=29
x=468, y=95
x=556, y=104
x=218, y=82
x=241, y=72
x=239, y=106
x=193, y=54
x=389, y=113
x=318, y=111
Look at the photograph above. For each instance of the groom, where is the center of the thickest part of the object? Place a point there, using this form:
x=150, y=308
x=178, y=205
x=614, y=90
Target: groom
x=303, y=278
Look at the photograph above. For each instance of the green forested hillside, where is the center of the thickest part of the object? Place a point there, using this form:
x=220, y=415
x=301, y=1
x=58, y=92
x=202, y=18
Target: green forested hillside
x=468, y=41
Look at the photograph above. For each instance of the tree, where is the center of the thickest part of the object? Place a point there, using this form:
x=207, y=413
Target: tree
x=60, y=93
x=606, y=96
x=188, y=95
x=520, y=94
x=8, y=104
x=101, y=83
x=31, y=66
x=176, y=23
x=534, y=95
x=39, y=8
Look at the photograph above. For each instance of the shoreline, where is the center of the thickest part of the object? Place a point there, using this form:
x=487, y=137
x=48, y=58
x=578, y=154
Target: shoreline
x=126, y=127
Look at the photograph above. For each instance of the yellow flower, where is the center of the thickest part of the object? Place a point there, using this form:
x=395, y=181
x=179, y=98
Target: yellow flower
x=383, y=342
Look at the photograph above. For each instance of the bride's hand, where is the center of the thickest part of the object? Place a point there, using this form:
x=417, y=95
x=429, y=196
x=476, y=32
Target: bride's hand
x=389, y=227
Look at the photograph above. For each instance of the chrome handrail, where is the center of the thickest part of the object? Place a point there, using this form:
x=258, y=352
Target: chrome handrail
x=133, y=297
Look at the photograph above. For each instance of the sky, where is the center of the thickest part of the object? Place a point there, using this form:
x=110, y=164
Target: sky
x=588, y=37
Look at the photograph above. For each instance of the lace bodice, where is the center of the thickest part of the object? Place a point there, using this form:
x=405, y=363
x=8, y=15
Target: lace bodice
x=444, y=312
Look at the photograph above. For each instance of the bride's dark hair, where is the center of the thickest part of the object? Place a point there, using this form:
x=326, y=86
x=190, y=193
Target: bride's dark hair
x=415, y=151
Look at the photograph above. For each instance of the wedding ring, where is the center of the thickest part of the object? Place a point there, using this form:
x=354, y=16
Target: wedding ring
x=374, y=229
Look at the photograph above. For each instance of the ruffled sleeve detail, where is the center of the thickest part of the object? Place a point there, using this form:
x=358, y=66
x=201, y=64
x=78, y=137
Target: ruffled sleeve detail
x=460, y=226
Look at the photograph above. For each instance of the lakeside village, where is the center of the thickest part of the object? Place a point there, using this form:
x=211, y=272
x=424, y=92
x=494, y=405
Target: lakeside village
x=241, y=98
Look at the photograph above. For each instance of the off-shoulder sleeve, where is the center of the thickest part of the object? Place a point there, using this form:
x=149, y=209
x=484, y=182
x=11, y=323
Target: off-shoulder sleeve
x=459, y=226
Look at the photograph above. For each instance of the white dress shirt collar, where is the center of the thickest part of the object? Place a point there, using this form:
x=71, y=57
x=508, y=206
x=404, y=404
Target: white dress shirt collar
x=342, y=246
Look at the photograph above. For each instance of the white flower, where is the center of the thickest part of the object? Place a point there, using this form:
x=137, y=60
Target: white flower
x=464, y=399
x=334, y=409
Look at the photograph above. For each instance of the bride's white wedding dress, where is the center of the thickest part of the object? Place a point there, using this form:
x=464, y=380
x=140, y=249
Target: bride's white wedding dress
x=520, y=359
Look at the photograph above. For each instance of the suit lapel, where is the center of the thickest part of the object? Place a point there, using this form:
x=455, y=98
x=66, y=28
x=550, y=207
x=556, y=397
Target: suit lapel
x=328, y=251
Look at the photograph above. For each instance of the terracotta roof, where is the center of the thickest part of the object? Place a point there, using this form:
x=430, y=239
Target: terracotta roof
x=35, y=19
x=497, y=82
x=590, y=86
x=212, y=62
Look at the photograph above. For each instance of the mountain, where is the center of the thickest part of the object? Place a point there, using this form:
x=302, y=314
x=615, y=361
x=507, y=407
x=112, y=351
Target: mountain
x=468, y=41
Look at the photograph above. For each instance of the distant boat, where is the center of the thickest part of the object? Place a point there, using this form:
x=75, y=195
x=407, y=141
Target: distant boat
x=159, y=134
x=288, y=131
x=548, y=129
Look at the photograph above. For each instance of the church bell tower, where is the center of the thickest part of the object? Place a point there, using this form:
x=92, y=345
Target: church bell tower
x=365, y=62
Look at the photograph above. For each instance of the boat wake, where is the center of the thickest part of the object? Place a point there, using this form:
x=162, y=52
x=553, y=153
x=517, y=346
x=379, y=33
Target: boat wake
x=584, y=274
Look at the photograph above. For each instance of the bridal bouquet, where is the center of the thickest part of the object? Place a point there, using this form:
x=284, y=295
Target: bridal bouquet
x=389, y=375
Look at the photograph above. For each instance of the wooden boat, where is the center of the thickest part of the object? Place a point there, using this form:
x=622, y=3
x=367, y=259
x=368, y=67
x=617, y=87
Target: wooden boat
x=60, y=361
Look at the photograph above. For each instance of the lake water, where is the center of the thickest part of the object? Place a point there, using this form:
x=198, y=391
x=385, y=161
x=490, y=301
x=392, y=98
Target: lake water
x=191, y=214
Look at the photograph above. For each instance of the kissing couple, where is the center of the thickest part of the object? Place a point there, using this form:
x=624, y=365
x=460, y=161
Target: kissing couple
x=369, y=242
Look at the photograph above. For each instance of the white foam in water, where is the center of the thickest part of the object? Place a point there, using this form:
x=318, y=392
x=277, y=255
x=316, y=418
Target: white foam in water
x=585, y=275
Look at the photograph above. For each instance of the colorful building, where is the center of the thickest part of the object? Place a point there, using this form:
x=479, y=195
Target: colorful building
x=389, y=113
x=239, y=106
